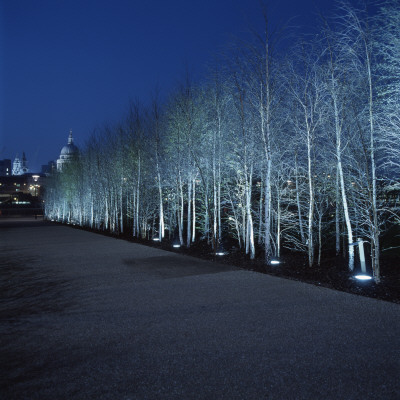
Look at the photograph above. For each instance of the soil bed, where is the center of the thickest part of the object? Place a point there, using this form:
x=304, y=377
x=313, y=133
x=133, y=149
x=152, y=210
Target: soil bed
x=332, y=273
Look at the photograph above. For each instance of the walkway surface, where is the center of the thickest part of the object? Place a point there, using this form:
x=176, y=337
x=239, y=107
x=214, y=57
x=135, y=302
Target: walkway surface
x=84, y=316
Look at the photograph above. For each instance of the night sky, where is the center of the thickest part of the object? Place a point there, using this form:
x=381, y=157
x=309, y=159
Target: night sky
x=76, y=64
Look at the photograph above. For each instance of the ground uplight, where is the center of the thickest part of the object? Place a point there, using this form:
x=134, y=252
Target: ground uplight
x=221, y=251
x=363, y=277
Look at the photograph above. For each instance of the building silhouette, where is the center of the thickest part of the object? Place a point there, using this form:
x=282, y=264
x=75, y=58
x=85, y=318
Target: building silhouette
x=5, y=167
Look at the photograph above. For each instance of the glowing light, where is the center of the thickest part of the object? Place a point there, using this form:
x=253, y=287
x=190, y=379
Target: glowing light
x=363, y=277
x=275, y=262
x=176, y=245
x=220, y=253
x=156, y=239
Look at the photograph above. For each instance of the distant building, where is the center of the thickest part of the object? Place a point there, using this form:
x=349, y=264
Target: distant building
x=68, y=153
x=49, y=168
x=20, y=167
x=21, y=188
x=5, y=167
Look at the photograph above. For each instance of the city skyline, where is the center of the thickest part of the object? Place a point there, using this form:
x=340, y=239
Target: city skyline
x=21, y=159
x=73, y=65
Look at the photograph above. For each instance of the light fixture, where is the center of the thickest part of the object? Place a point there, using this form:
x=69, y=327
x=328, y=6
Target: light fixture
x=363, y=277
x=274, y=261
x=176, y=243
x=221, y=251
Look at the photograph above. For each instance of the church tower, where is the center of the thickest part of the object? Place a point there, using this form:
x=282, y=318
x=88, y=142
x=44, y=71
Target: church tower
x=24, y=164
x=20, y=167
x=16, y=169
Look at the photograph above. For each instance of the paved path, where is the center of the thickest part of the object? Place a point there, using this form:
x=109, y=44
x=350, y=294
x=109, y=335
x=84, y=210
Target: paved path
x=85, y=316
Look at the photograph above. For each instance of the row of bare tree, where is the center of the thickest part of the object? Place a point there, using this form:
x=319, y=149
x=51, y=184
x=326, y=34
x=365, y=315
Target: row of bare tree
x=299, y=150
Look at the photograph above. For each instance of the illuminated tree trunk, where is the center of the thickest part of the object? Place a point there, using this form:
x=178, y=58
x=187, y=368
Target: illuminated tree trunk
x=337, y=214
x=215, y=208
x=121, y=207
x=138, y=195
x=194, y=211
x=310, y=199
x=319, y=238
x=278, y=223
x=91, y=211
x=343, y=190
x=156, y=117
x=260, y=211
x=161, y=227
x=189, y=217
x=374, y=225
x=298, y=202
x=250, y=247
x=346, y=212
x=180, y=209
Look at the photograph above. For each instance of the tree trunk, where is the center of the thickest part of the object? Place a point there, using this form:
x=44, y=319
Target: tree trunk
x=194, y=211
x=189, y=218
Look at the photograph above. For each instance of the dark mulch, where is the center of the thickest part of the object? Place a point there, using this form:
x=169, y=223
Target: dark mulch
x=332, y=273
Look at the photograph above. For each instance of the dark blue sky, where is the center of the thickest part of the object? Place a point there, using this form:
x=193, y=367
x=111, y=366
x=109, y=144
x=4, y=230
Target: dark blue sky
x=76, y=64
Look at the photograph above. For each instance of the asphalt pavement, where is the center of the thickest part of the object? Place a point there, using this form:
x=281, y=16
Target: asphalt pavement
x=85, y=316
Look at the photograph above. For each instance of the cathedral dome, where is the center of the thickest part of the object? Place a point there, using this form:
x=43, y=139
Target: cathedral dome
x=68, y=153
x=69, y=150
